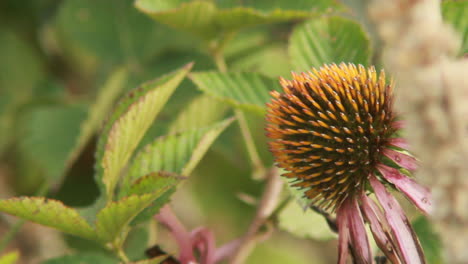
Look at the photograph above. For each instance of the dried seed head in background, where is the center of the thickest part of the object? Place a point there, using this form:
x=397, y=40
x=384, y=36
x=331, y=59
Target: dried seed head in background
x=334, y=131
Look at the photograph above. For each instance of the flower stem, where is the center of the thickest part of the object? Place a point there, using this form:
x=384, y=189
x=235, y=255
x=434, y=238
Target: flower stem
x=250, y=144
x=121, y=254
x=248, y=139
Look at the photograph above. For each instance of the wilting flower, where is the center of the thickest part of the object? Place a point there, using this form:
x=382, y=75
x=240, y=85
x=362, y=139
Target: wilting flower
x=335, y=133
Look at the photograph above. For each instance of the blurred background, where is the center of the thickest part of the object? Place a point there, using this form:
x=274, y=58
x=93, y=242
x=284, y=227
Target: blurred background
x=55, y=58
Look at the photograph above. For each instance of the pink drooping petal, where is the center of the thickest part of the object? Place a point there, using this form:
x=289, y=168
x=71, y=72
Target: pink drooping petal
x=399, y=142
x=406, y=241
x=418, y=194
x=204, y=241
x=343, y=232
x=378, y=224
x=180, y=233
x=399, y=124
x=359, y=241
x=401, y=159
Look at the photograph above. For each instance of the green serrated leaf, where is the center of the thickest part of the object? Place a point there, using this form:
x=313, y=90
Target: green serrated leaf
x=154, y=208
x=328, y=40
x=152, y=182
x=304, y=223
x=9, y=258
x=128, y=124
x=248, y=91
x=205, y=19
x=112, y=221
x=60, y=123
x=456, y=13
x=177, y=153
x=50, y=213
x=83, y=258
x=200, y=112
x=203, y=144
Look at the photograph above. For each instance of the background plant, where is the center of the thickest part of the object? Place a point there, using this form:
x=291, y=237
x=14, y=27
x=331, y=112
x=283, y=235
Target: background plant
x=63, y=136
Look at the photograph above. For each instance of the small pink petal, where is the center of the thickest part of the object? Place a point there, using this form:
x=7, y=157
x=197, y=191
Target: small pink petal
x=399, y=142
x=401, y=159
x=418, y=194
x=407, y=242
x=343, y=232
x=378, y=224
x=204, y=240
x=359, y=241
x=399, y=124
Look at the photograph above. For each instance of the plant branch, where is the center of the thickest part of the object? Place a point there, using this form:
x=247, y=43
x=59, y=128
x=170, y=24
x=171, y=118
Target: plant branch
x=267, y=205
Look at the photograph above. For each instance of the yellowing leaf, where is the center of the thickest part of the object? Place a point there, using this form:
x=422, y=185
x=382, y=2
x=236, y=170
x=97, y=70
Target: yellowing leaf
x=112, y=221
x=50, y=213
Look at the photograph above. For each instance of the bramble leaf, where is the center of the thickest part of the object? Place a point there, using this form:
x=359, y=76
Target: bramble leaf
x=247, y=90
x=112, y=221
x=128, y=124
x=202, y=111
x=166, y=156
x=50, y=213
x=206, y=20
x=328, y=40
x=177, y=153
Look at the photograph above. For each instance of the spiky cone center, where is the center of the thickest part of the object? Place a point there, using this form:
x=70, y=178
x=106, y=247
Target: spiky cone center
x=329, y=128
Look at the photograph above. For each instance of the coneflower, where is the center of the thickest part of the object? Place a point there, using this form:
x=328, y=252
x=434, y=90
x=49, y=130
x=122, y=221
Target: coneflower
x=335, y=133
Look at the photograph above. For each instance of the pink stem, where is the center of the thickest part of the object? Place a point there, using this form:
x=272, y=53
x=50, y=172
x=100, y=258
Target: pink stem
x=167, y=217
